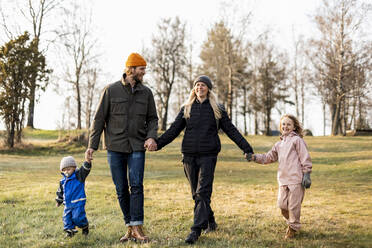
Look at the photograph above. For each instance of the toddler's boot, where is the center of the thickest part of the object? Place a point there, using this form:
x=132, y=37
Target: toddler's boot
x=70, y=232
x=85, y=230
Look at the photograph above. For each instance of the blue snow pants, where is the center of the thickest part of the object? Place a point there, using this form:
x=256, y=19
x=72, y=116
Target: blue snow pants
x=74, y=217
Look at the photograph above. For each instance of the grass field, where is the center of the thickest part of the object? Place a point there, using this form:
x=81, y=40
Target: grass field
x=336, y=212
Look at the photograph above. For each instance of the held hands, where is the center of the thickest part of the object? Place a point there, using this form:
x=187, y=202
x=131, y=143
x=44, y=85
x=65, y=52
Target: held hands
x=150, y=145
x=306, y=181
x=89, y=155
x=249, y=157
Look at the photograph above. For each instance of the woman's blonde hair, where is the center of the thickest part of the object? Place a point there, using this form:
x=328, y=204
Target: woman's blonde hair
x=296, y=124
x=212, y=100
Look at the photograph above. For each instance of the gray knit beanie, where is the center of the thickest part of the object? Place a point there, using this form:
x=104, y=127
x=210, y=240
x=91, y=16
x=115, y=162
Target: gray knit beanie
x=205, y=79
x=67, y=162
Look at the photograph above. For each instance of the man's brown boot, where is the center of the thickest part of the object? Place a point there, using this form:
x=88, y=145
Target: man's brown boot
x=138, y=234
x=127, y=236
x=290, y=233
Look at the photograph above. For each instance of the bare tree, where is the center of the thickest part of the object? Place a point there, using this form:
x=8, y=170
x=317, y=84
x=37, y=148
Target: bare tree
x=79, y=44
x=335, y=53
x=299, y=76
x=167, y=61
x=90, y=98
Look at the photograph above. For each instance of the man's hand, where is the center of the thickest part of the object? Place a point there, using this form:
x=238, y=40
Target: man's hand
x=89, y=154
x=306, y=181
x=249, y=157
x=150, y=145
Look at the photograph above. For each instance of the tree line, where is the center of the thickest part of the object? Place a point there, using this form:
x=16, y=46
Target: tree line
x=253, y=77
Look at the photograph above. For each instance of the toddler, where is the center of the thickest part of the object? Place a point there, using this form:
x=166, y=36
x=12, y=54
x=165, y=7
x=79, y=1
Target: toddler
x=72, y=194
x=293, y=173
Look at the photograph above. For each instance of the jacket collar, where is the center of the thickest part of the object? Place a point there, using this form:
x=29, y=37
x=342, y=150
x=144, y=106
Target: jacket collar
x=205, y=101
x=291, y=134
x=137, y=86
x=73, y=175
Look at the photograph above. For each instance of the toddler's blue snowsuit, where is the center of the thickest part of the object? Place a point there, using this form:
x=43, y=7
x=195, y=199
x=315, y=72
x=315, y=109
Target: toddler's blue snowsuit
x=71, y=192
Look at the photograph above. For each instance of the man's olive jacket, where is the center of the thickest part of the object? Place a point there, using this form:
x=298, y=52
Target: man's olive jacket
x=127, y=116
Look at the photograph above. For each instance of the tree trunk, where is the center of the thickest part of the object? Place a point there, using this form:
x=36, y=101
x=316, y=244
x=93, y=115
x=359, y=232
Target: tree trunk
x=345, y=114
x=164, y=121
x=236, y=109
x=302, y=103
x=245, y=109
x=230, y=94
x=352, y=118
x=336, y=122
x=255, y=123
x=78, y=99
x=31, y=108
x=10, y=138
x=165, y=116
x=324, y=118
x=267, y=122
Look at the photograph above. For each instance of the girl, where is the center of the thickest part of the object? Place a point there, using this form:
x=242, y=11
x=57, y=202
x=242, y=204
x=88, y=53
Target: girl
x=293, y=173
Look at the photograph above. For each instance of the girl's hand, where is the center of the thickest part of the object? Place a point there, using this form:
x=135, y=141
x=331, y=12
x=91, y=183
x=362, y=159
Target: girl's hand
x=306, y=181
x=249, y=157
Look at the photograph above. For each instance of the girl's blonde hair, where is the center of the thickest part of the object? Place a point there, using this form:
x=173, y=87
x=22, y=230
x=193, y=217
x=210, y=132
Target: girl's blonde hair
x=296, y=124
x=212, y=100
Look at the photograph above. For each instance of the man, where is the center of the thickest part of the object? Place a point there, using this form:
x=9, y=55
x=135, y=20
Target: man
x=127, y=115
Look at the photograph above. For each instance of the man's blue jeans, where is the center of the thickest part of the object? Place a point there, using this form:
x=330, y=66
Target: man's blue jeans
x=131, y=202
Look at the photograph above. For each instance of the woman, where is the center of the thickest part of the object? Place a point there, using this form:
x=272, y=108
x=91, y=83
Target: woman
x=202, y=117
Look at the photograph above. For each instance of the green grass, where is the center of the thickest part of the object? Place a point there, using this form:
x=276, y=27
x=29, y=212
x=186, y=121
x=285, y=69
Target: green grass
x=336, y=211
x=38, y=142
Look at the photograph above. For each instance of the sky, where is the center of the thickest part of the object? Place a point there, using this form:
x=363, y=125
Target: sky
x=124, y=27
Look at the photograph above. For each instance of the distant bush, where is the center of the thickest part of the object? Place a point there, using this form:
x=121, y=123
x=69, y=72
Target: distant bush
x=80, y=138
x=307, y=132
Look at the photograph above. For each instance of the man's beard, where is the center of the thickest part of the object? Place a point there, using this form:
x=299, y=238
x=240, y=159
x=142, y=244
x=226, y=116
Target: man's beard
x=135, y=77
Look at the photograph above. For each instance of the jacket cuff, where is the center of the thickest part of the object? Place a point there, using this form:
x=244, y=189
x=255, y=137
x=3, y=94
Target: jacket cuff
x=87, y=165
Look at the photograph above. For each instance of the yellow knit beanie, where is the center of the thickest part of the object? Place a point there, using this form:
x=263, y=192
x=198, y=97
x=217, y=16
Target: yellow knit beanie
x=134, y=59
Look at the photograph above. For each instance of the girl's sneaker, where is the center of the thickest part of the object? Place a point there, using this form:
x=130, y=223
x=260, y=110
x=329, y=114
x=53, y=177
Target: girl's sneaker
x=290, y=233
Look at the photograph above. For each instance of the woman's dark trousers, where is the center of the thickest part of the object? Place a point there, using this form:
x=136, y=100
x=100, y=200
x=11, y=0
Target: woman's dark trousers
x=199, y=170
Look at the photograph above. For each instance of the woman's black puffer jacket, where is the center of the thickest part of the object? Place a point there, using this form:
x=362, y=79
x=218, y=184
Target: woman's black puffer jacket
x=201, y=133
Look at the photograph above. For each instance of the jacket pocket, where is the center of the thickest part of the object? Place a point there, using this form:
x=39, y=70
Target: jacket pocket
x=118, y=105
x=114, y=130
x=141, y=106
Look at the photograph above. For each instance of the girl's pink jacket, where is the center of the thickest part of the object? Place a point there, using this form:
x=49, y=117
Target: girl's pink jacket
x=294, y=159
